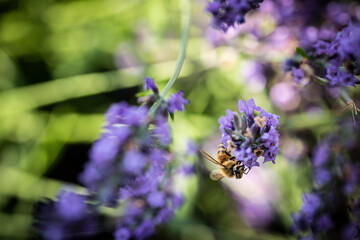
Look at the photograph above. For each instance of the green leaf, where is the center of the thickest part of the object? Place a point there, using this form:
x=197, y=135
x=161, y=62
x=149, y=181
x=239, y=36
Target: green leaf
x=302, y=52
x=142, y=94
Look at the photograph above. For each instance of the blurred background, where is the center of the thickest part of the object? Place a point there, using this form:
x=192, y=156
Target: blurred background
x=63, y=62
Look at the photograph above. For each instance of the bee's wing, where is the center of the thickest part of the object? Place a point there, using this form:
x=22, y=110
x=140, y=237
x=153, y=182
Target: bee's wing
x=208, y=157
x=216, y=175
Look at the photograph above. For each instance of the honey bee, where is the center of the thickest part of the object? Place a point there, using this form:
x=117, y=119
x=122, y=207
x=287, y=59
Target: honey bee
x=229, y=166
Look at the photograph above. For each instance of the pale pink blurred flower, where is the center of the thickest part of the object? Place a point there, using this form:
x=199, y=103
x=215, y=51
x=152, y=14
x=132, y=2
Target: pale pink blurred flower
x=285, y=96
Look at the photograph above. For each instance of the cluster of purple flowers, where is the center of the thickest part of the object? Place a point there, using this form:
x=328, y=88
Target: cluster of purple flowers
x=329, y=210
x=336, y=62
x=129, y=169
x=228, y=13
x=251, y=135
x=70, y=217
x=328, y=34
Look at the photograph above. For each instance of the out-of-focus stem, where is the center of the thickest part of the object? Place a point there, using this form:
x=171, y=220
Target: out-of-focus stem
x=345, y=96
x=185, y=24
x=320, y=80
x=349, y=103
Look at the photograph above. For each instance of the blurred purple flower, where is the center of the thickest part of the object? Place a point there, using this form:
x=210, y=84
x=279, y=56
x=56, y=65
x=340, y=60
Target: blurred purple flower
x=156, y=199
x=323, y=223
x=134, y=162
x=68, y=218
x=349, y=232
x=104, y=150
x=135, y=116
x=254, y=73
x=192, y=148
x=298, y=74
x=187, y=169
x=177, y=101
x=114, y=113
x=285, y=96
x=323, y=47
x=128, y=163
x=122, y=234
x=145, y=229
x=71, y=206
x=321, y=177
x=334, y=55
x=336, y=177
x=163, y=132
x=229, y=13
x=321, y=154
x=311, y=203
x=149, y=83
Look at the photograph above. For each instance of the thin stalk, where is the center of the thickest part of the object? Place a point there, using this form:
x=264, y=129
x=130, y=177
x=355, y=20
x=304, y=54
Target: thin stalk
x=345, y=96
x=320, y=80
x=185, y=24
x=349, y=103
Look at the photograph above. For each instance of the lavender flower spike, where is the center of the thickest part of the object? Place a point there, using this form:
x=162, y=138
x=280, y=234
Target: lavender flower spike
x=177, y=101
x=150, y=84
x=231, y=12
x=126, y=170
x=253, y=136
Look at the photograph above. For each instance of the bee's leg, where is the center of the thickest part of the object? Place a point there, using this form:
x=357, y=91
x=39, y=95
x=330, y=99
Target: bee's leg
x=248, y=170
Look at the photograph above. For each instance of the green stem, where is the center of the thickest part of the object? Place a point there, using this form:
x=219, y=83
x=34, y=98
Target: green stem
x=185, y=24
x=347, y=100
x=345, y=96
x=320, y=80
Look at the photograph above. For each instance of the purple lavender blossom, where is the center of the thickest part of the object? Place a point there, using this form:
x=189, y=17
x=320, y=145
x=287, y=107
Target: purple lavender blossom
x=71, y=206
x=350, y=232
x=104, y=150
x=252, y=135
x=122, y=234
x=328, y=211
x=247, y=156
x=298, y=74
x=177, y=101
x=156, y=199
x=321, y=177
x=248, y=107
x=134, y=162
x=134, y=116
x=192, y=148
x=114, y=111
x=129, y=162
x=323, y=223
x=149, y=83
x=348, y=43
x=229, y=13
x=145, y=229
x=323, y=47
x=68, y=218
x=162, y=131
x=272, y=120
x=311, y=204
x=321, y=154
x=339, y=59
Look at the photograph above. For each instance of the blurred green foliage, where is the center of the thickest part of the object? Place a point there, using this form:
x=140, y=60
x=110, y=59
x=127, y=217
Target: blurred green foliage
x=63, y=62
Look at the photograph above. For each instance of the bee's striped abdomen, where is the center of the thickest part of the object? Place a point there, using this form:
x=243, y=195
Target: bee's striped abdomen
x=222, y=154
